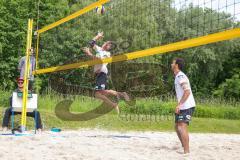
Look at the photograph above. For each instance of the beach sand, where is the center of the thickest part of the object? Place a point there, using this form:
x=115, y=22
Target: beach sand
x=96, y=144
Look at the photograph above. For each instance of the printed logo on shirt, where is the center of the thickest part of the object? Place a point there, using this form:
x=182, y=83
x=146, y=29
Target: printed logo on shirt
x=188, y=117
x=180, y=76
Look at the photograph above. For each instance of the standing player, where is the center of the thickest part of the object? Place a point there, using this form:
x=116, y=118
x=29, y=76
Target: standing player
x=186, y=103
x=101, y=71
x=21, y=68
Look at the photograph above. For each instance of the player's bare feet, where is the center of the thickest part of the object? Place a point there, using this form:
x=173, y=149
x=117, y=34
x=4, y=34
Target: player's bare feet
x=125, y=96
x=4, y=129
x=39, y=131
x=116, y=108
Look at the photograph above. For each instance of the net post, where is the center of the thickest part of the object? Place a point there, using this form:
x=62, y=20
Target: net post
x=26, y=75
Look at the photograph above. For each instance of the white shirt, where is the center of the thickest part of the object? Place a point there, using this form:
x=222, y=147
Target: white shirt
x=179, y=79
x=101, y=54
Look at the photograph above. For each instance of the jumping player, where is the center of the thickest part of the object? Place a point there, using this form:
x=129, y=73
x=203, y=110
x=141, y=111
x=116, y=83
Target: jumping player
x=101, y=71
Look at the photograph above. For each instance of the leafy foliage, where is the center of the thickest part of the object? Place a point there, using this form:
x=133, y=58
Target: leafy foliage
x=213, y=69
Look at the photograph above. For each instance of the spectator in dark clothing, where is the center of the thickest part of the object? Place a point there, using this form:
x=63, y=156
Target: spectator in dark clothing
x=8, y=111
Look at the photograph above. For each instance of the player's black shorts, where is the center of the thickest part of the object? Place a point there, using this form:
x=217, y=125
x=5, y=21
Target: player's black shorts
x=184, y=115
x=101, y=81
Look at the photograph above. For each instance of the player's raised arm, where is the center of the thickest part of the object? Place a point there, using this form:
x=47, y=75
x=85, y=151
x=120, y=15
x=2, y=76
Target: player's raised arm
x=93, y=42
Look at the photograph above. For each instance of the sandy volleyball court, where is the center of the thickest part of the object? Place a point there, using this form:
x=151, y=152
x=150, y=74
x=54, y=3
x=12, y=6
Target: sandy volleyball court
x=94, y=144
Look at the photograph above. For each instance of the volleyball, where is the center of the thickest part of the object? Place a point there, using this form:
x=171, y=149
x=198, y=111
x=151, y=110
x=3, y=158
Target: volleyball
x=100, y=9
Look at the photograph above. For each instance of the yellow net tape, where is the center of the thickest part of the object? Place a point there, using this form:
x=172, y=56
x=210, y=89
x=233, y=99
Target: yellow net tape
x=211, y=38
